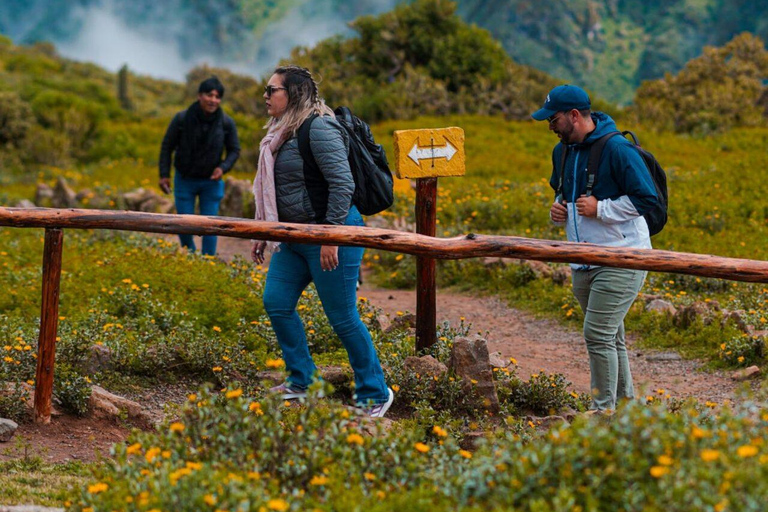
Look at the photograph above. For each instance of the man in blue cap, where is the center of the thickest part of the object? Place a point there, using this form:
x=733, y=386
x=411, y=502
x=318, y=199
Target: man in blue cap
x=608, y=211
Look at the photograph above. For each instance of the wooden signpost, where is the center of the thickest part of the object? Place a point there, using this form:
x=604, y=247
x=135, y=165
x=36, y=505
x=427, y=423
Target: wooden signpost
x=424, y=155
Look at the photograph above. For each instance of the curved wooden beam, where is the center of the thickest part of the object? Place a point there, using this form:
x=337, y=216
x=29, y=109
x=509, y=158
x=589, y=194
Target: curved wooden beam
x=468, y=246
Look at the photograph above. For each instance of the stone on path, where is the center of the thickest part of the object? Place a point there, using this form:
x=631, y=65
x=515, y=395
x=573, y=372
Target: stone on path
x=104, y=404
x=63, y=195
x=7, y=429
x=661, y=306
x=746, y=373
x=470, y=361
x=425, y=365
x=664, y=356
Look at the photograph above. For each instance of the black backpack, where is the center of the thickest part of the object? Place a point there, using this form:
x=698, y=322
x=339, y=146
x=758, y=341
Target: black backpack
x=657, y=217
x=374, y=186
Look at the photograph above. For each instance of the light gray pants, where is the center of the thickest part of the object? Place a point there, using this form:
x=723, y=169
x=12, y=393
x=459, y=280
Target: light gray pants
x=605, y=295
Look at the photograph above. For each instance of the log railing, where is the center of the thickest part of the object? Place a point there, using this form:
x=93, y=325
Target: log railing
x=468, y=246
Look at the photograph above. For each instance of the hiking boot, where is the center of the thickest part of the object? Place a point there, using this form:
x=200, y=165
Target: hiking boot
x=288, y=393
x=379, y=410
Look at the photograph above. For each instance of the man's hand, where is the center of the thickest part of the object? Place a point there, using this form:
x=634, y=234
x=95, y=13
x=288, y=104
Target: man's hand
x=257, y=251
x=587, y=206
x=558, y=212
x=329, y=257
x=165, y=185
x=217, y=174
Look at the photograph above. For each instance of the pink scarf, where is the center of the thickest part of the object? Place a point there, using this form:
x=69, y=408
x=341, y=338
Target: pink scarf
x=264, y=182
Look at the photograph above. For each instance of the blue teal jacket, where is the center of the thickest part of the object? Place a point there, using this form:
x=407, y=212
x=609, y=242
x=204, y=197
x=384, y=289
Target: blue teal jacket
x=623, y=187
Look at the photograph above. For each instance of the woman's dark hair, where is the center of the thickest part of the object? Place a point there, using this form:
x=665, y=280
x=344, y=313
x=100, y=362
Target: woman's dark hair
x=211, y=84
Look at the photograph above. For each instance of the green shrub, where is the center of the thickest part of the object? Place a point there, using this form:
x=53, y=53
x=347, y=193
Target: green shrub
x=72, y=389
x=744, y=350
x=233, y=452
x=15, y=119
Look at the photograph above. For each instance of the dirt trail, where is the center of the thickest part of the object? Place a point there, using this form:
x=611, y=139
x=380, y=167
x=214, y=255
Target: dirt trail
x=541, y=344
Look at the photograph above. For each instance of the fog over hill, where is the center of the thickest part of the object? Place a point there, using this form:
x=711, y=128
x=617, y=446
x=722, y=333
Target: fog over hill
x=608, y=46
x=166, y=39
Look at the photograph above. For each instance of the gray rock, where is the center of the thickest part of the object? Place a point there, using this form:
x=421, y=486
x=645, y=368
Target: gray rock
x=539, y=268
x=336, y=375
x=547, y=422
x=664, y=356
x=737, y=317
x=402, y=322
x=425, y=365
x=99, y=359
x=63, y=195
x=7, y=429
x=561, y=275
x=86, y=193
x=687, y=315
x=104, y=404
x=237, y=200
x=470, y=361
x=661, y=306
x=497, y=361
x=43, y=195
x=24, y=203
x=746, y=374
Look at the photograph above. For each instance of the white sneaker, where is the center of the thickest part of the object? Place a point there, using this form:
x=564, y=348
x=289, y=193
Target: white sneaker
x=379, y=410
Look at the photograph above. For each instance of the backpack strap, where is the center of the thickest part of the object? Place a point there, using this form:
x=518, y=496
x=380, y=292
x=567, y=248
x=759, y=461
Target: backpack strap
x=562, y=171
x=595, y=154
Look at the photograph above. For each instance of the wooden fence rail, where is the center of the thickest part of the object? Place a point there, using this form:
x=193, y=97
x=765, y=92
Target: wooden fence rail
x=460, y=247
x=468, y=246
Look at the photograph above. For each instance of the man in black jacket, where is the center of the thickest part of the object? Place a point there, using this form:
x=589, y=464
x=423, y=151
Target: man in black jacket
x=199, y=136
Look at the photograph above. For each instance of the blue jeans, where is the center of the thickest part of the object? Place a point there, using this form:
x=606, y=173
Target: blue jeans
x=186, y=190
x=290, y=272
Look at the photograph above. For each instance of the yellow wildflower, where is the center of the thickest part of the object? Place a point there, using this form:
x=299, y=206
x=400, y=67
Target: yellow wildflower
x=421, y=447
x=235, y=393
x=709, y=455
x=355, y=439
x=465, y=454
x=659, y=471
x=278, y=504
x=747, y=451
x=318, y=480
x=176, y=427
x=97, y=488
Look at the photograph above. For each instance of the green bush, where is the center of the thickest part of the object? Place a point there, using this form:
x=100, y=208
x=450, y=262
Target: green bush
x=744, y=350
x=72, y=389
x=15, y=119
x=232, y=452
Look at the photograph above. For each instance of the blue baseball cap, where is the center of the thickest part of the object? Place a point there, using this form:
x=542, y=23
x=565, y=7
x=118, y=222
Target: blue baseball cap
x=563, y=98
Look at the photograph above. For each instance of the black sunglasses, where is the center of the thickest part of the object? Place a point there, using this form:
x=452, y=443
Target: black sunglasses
x=270, y=90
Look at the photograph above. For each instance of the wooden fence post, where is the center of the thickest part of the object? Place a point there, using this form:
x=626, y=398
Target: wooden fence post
x=49, y=318
x=426, y=295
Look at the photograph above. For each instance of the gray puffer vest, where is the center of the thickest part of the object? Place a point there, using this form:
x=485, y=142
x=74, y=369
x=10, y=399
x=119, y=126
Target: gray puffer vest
x=331, y=149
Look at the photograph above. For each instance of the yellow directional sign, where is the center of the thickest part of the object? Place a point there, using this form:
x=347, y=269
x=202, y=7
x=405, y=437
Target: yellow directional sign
x=429, y=153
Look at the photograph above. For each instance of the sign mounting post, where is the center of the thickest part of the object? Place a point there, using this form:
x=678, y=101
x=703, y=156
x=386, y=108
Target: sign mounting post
x=424, y=155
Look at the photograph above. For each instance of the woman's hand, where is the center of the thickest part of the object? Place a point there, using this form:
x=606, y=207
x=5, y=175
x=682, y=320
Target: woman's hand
x=257, y=251
x=329, y=257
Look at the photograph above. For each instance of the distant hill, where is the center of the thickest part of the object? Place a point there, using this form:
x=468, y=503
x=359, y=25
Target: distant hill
x=611, y=46
x=608, y=46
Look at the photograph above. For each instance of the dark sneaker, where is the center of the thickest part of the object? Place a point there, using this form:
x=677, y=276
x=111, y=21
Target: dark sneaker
x=379, y=410
x=288, y=393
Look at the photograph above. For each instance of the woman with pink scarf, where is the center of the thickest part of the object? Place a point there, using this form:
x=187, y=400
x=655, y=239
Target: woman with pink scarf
x=285, y=193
